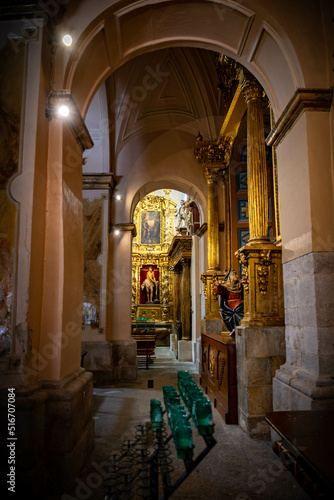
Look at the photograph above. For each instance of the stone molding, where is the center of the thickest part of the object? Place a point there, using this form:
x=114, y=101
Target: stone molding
x=302, y=100
x=180, y=249
x=126, y=226
x=99, y=181
x=202, y=230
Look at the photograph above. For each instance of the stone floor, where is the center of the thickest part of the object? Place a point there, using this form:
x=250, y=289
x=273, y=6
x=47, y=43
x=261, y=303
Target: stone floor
x=238, y=467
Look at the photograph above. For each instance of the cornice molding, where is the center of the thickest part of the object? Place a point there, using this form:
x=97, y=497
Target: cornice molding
x=126, y=226
x=99, y=181
x=180, y=250
x=302, y=100
x=202, y=230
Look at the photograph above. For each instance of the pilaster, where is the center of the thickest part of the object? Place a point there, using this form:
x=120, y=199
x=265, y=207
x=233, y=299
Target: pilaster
x=185, y=299
x=180, y=259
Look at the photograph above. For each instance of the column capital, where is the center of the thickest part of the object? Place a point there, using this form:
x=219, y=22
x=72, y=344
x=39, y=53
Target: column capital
x=214, y=155
x=250, y=87
x=185, y=262
x=212, y=173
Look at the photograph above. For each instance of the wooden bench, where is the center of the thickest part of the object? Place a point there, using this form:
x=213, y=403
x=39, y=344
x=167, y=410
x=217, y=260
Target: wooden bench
x=306, y=448
x=145, y=346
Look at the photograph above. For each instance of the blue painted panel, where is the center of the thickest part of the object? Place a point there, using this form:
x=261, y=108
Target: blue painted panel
x=243, y=237
x=243, y=210
x=242, y=181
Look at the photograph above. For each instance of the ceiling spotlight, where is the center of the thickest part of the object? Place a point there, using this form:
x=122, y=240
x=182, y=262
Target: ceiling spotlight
x=64, y=110
x=67, y=40
x=117, y=232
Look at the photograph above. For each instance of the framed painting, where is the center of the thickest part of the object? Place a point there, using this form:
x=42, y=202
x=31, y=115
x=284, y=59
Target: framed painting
x=150, y=228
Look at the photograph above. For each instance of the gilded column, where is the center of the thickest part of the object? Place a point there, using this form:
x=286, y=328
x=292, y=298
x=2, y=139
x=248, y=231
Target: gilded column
x=260, y=259
x=227, y=189
x=185, y=300
x=256, y=160
x=213, y=222
x=215, y=157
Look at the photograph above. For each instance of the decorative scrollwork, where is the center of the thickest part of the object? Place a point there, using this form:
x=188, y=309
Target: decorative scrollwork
x=214, y=153
x=212, y=363
x=263, y=270
x=243, y=259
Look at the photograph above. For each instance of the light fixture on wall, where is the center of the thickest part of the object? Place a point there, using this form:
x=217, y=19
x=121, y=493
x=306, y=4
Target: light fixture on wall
x=117, y=197
x=67, y=40
x=117, y=232
x=60, y=104
x=63, y=110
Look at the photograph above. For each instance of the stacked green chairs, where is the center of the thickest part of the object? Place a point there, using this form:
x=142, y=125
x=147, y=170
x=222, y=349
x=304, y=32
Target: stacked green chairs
x=198, y=405
x=179, y=423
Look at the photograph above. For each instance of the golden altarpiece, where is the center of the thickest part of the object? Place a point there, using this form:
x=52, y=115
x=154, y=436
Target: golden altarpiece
x=154, y=218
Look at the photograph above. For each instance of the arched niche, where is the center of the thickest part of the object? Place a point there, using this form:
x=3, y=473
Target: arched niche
x=176, y=184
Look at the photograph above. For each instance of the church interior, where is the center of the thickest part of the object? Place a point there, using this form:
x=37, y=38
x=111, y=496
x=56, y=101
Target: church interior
x=167, y=203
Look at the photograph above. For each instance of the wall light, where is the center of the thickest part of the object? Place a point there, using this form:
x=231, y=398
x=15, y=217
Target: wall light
x=63, y=110
x=117, y=232
x=118, y=197
x=67, y=40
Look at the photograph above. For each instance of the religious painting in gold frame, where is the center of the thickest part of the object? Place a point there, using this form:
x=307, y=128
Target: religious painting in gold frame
x=150, y=227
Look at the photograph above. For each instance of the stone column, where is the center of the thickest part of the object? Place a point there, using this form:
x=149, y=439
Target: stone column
x=118, y=328
x=185, y=299
x=215, y=157
x=53, y=393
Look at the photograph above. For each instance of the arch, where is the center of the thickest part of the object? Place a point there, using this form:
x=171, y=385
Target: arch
x=245, y=34
x=178, y=184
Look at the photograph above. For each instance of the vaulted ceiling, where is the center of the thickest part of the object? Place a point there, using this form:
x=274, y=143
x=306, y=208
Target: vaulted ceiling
x=173, y=88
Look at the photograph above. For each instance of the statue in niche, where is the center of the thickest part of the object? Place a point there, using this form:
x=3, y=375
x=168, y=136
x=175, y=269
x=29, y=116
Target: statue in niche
x=184, y=215
x=231, y=304
x=181, y=214
x=149, y=284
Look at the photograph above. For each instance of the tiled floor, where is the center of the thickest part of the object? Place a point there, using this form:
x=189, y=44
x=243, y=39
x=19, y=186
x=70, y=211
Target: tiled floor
x=238, y=467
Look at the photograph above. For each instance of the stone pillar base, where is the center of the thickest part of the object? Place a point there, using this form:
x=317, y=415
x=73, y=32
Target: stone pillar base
x=213, y=326
x=185, y=350
x=110, y=361
x=260, y=352
x=173, y=343
x=199, y=355
x=124, y=359
x=55, y=434
x=296, y=390
x=98, y=360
